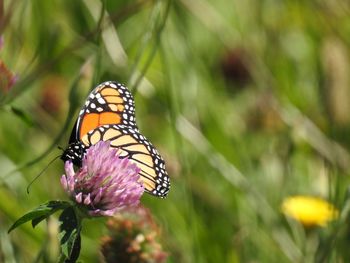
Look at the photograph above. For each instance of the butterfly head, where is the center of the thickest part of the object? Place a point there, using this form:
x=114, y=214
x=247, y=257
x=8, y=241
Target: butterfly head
x=74, y=152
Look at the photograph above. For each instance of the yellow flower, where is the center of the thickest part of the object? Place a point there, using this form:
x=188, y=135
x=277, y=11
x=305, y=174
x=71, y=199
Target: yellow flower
x=309, y=211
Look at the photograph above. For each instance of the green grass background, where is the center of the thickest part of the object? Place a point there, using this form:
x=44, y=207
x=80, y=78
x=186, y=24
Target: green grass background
x=247, y=101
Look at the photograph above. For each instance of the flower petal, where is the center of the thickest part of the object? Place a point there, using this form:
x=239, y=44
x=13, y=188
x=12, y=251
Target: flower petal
x=79, y=198
x=105, y=181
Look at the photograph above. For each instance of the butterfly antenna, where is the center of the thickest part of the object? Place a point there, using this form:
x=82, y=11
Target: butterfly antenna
x=36, y=177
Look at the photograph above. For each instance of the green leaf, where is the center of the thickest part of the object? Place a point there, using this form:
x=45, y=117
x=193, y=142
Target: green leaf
x=75, y=250
x=37, y=220
x=40, y=213
x=70, y=235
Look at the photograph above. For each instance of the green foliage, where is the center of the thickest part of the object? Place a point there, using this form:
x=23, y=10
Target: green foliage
x=40, y=213
x=70, y=234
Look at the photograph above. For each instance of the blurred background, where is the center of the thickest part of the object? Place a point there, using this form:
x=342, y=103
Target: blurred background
x=247, y=101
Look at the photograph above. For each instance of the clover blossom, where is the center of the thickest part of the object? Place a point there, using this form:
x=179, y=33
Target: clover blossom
x=7, y=78
x=133, y=236
x=105, y=183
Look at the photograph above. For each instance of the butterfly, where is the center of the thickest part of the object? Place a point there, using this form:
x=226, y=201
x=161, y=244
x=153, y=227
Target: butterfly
x=109, y=115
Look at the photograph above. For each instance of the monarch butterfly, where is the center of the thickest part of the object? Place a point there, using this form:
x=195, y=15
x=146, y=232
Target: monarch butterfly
x=109, y=114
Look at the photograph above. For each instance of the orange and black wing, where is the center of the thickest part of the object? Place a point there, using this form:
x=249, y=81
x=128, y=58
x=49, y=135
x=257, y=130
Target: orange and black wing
x=109, y=103
x=139, y=150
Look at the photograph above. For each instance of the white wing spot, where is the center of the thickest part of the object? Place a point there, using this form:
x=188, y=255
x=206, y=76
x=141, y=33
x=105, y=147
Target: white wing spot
x=101, y=101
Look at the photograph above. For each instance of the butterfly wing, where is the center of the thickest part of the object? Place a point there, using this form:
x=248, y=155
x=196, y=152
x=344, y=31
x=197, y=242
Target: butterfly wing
x=139, y=150
x=109, y=103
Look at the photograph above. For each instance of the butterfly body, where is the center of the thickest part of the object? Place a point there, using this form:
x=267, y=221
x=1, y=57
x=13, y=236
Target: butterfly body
x=109, y=115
